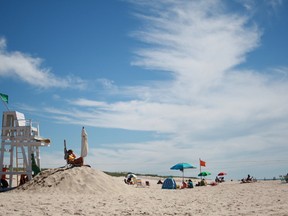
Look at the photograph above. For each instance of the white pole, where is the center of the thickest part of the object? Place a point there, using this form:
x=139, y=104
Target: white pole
x=5, y=105
x=200, y=165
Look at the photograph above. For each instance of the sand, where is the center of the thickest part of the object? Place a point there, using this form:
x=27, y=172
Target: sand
x=86, y=191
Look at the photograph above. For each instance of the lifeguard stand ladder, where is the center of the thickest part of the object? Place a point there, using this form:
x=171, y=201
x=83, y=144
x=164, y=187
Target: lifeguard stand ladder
x=20, y=141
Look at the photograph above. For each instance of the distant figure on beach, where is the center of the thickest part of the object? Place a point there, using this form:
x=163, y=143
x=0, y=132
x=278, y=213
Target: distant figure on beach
x=203, y=182
x=248, y=179
x=217, y=179
x=184, y=185
x=23, y=179
x=73, y=160
x=4, y=183
x=160, y=182
x=129, y=180
x=190, y=184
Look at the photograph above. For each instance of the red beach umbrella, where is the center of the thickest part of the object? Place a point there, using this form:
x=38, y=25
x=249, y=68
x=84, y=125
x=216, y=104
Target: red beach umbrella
x=222, y=174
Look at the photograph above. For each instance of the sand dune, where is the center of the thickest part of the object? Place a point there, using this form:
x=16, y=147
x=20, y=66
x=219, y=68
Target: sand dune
x=80, y=180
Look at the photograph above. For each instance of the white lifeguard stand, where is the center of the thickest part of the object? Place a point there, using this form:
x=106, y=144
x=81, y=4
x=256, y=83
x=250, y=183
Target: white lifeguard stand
x=20, y=140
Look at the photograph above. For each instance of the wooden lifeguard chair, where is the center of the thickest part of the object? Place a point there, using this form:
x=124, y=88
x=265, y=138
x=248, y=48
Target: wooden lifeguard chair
x=20, y=144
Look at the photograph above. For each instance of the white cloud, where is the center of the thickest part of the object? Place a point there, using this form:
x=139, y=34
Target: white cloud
x=200, y=49
x=209, y=109
x=28, y=69
x=198, y=43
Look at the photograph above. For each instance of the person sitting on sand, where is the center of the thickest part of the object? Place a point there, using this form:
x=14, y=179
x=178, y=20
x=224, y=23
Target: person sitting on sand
x=23, y=179
x=249, y=179
x=73, y=160
x=190, y=184
x=184, y=185
x=203, y=182
x=128, y=181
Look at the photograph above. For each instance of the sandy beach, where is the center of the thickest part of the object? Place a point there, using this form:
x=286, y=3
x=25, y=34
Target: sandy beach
x=86, y=191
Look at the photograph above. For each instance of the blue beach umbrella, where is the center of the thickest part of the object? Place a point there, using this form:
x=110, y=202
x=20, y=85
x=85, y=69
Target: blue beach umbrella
x=181, y=167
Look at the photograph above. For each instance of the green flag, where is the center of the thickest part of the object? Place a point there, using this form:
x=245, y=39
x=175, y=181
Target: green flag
x=4, y=97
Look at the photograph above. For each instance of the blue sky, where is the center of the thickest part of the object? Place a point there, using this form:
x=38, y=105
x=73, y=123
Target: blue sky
x=153, y=82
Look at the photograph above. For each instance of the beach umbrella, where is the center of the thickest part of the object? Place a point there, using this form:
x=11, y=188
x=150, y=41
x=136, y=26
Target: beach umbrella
x=132, y=178
x=131, y=175
x=222, y=174
x=205, y=173
x=84, y=143
x=181, y=167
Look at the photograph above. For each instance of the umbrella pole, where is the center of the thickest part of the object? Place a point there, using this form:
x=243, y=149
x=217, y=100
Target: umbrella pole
x=200, y=169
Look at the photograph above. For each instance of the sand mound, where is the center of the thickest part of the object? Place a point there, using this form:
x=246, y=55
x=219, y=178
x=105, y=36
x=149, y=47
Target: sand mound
x=73, y=180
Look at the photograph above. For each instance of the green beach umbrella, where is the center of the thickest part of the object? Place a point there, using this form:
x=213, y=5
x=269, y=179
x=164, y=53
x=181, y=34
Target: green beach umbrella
x=205, y=173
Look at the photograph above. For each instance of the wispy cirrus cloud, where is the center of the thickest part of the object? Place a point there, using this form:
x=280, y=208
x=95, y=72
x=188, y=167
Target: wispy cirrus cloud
x=197, y=43
x=201, y=45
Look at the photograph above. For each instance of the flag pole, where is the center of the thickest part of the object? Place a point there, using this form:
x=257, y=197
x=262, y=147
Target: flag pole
x=5, y=105
x=200, y=165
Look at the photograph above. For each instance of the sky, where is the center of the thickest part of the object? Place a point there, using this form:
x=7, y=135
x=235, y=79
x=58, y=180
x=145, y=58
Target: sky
x=154, y=83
